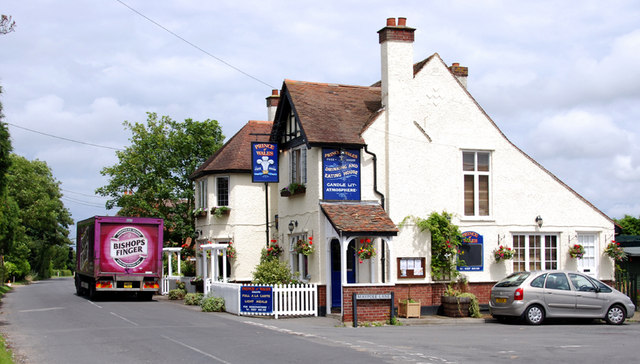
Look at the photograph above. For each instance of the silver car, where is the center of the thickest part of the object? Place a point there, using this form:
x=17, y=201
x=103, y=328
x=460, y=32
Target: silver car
x=537, y=295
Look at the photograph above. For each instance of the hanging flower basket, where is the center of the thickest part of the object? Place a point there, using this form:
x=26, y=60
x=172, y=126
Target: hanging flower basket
x=200, y=212
x=502, y=253
x=220, y=211
x=231, y=251
x=305, y=247
x=614, y=251
x=576, y=251
x=367, y=251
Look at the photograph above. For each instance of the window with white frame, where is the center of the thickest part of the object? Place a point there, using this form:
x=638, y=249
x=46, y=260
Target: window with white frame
x=477, y=172
x=201, y=200
x=587, y=264
x=222, y=191
x=299, y=262
x=535, y=252
x=299, y=165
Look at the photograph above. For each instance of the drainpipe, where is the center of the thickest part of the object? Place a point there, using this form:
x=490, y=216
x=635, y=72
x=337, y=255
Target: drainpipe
x=375, y=189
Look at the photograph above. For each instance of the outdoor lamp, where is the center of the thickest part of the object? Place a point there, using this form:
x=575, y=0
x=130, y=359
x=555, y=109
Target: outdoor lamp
x=292, y=225
x=539, y=221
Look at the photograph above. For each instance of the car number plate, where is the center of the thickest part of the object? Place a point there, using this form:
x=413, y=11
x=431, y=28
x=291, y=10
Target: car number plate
x=128, y=285
x=501, y=300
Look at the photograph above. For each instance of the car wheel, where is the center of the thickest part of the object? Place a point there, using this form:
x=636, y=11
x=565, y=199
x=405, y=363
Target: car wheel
x=615, y=315
x=534, y=315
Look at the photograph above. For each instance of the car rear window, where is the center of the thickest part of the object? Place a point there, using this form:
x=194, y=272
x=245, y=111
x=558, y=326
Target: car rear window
x=513, y=280
x=539, y=281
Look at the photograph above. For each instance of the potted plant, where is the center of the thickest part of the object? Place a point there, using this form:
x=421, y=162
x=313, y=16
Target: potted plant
x=576, y=251
x=294, y=188
x=198, y=282
x=457, y=303
x=366, y=251
x=200, y=212
x=305, y=247
x=614, y=251
x=409, y=308
x=219, y=211
x=272, y=251
x=502, y=253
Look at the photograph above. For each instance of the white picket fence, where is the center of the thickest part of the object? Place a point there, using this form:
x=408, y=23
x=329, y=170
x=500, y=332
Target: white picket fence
x=295, y=300
x=288, y=300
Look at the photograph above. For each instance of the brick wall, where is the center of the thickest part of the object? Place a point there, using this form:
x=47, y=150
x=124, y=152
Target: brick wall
x=428, y=294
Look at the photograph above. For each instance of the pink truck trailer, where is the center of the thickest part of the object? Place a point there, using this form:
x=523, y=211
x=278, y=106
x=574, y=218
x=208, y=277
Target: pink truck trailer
x=119, y=254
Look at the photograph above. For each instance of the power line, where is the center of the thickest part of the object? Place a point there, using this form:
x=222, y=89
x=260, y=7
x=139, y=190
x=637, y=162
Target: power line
x=195, y=46
x=63, y=138
x=80, y=202
x=82, y=194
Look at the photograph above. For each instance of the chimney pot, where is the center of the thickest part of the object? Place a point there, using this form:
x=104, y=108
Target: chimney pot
x=391, y=22
x=456, y=64
x=274, y=92
x=402, y=22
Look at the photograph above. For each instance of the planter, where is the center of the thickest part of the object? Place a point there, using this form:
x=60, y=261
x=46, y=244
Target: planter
x=219, y=212
x=409, y=309
x=297, y=191
x=285, y=193
x=455, y=306
x=201, y=214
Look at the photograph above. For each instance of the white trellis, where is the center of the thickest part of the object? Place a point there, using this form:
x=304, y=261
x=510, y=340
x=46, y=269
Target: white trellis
x=212, y=276
x=166, y=278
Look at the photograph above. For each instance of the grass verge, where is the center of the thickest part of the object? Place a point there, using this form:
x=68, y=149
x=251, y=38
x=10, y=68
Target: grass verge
x=5, y=354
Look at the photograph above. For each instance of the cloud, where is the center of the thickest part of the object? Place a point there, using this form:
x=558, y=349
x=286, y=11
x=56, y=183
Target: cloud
x=578, y=134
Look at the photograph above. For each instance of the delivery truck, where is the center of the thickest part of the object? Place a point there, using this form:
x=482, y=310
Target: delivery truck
x=119, y=254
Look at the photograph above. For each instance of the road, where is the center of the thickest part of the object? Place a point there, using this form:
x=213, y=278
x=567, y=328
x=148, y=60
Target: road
x=47, y=323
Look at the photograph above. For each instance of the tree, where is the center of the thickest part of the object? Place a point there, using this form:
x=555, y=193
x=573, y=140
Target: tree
x=151, y=178
x=8, y=208
x=629, y=224
x=44, y=220
x=6, y=24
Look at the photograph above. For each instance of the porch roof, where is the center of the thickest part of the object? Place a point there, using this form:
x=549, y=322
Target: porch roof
x=359, y=218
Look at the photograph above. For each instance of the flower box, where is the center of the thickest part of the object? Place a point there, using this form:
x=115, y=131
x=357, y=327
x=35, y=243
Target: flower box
x=285, y=193
x=201, y=214
x=409, y=309
x=220, y=211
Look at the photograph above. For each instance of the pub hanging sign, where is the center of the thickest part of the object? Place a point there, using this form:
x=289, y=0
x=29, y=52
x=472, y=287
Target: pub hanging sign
x=264, y=162
x=341, y=174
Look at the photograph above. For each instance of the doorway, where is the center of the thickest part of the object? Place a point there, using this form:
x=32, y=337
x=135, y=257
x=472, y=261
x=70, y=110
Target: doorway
x=336, y=281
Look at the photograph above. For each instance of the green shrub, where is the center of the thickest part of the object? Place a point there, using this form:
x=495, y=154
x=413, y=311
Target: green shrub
x=177, y=294
x=212, y=304
x=474, y=306
x=180, y=285
x=193, y=299
x=272, y=271
x=62, y=273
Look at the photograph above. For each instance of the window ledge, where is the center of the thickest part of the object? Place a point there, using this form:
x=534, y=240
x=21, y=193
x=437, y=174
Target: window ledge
x=477, y=219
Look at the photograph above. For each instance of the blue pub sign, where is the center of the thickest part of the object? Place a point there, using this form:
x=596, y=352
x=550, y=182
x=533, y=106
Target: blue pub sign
x=264, y=162
x=341, y=174
x=472, y=248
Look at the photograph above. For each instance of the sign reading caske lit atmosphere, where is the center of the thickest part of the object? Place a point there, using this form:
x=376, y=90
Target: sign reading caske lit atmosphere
x=341, y=174
x=264, y=162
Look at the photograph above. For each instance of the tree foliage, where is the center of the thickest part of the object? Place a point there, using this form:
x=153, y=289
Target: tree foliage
x=629, y=224
x=151, y=178
x=7, y=25
x=44, y=221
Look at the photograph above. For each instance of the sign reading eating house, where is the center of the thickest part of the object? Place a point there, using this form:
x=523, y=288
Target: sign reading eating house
x=341, y=174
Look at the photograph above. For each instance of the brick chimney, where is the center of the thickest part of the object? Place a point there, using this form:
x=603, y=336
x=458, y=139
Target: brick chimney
x=461, y=73
x=396, y=47
x=272, y=105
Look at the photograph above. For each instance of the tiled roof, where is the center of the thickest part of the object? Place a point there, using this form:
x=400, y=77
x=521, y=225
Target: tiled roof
x=334, y=114
x=359, y=218
x=235, y=156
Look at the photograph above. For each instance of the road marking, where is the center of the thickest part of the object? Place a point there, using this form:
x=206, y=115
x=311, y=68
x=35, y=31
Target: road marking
x=196, y=350
x=123, y=318
x=91, y=302
x=569, y=346
x=42, y=309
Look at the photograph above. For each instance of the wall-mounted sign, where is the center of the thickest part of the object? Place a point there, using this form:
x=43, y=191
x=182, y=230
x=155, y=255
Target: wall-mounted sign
x=264, y=162
x=472, y=248
x=256, y=299
x=341, y=174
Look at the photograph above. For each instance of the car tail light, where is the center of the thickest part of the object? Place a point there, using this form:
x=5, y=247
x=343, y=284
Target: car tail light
x=518, y=295
x=153, y=285
x=104, y=284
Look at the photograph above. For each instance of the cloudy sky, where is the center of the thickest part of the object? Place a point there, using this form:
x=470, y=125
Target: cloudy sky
x=560, y=78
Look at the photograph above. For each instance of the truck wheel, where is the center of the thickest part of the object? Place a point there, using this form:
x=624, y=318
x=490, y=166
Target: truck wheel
x=92, y=291
x=78, y=287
